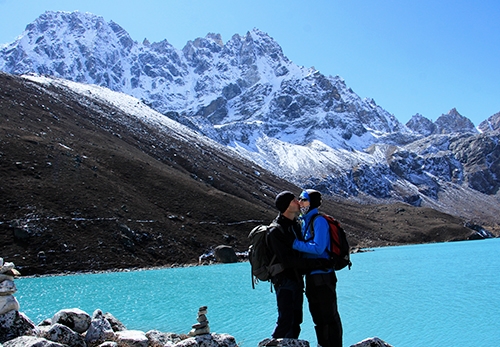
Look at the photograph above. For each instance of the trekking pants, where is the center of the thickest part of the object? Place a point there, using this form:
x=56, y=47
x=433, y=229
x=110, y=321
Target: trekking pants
x=322, y=297
x=289, y=297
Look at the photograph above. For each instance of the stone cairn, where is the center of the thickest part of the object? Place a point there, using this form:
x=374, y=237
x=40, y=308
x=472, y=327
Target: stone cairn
x=202, y=326
x=12, y=322
x=7, y=287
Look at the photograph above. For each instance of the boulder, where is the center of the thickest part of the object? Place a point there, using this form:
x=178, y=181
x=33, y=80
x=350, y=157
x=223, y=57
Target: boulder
x=208, y=340
x=74, y=319
x=100, y=330
x=158, y=339
x=108, y=344
x=225, y=254
x=14, y=324
x=283, y=343
x=372, y=342
x=131, y=338
x=31, y=341
x=225, y=340
x=62, y=334
x=116, y=325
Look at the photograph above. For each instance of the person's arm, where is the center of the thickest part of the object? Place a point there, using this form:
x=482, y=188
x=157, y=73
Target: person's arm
x=281, y=244
x=319, y=243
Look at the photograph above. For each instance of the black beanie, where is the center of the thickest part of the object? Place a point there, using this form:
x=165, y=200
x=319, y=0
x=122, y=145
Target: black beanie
x=314, y=198
x=283, y=200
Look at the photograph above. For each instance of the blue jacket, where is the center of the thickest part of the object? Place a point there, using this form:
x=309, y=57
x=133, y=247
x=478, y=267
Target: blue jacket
x=316, y=246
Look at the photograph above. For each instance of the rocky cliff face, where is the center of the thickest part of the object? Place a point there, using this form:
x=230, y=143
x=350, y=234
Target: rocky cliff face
x=491, y=125
x=308, y=128
x=95, y=180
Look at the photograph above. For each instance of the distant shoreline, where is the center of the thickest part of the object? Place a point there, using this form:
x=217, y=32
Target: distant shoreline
x=172, y=266
x=206, y=263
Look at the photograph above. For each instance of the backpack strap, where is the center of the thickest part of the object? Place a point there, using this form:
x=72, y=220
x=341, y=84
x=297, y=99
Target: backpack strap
x=311, y=224
x=273, y=224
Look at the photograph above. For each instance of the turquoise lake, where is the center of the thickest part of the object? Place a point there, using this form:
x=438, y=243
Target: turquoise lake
x=445, y=294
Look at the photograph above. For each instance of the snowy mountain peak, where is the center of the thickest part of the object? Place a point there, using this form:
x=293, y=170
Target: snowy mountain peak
x=421, y=125
x=491, y=125
x=247, y=95
x=454, y=122
x=85, y=28
x=449, y=123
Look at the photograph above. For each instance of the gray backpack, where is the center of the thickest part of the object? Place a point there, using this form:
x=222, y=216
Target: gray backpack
x=260, y=256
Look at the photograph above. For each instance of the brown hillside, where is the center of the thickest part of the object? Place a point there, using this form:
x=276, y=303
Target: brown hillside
x=81, y=191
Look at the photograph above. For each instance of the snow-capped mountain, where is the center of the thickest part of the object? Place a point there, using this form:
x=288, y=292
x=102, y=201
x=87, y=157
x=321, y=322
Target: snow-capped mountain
x=245, y=94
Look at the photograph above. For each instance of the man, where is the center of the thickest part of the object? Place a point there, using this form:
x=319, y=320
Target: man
x=288, y=284
x=320, y=284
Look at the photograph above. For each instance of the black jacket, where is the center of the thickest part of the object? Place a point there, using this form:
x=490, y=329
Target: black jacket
x=280, y=241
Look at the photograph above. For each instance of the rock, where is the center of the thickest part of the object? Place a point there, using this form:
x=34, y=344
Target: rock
x=283, y=343
x=225, y=254
x=131, y=338
x=158, y=339
x=6, y=267
x=45, y=322
x=197, y=330
x=108, y=344
x=62, y=334
x=74, y=319
x=372, y=342
x=208, y=340
x=7, y=287
x=225, y=340
x=8, y=303
x=100, y=330
x=12, y=272
x=14, y=324
x=116, y=325
x=4, y=277
x=31, y=341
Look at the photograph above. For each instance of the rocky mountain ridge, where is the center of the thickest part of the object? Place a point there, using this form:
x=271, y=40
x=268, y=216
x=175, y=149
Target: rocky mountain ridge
x=248, y=96
x=95, y=180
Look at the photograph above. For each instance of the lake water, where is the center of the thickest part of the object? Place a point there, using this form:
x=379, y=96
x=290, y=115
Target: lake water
x=445, y=294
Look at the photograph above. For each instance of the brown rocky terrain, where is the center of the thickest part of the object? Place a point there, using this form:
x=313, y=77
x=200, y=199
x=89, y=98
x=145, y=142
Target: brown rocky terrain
x=83, y=191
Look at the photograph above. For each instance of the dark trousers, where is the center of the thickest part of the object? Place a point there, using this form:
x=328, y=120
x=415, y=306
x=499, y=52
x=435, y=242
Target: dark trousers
x=322, y=297
x=289, y=297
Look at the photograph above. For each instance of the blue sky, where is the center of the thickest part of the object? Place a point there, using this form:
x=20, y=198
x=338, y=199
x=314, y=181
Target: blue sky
x=411, y=57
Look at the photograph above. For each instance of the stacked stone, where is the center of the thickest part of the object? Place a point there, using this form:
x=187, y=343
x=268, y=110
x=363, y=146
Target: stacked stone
x=201, y=327
x=12, y=322
x=8, y=302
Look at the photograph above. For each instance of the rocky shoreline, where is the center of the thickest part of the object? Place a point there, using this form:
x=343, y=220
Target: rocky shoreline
x=76, y=328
